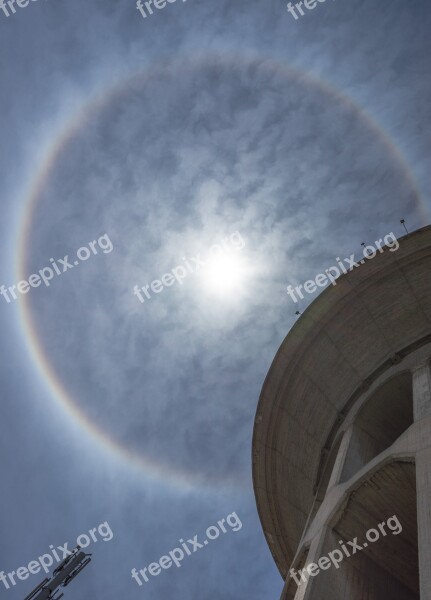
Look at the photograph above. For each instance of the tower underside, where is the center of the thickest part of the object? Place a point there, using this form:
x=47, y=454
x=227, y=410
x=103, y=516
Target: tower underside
x=342, y=439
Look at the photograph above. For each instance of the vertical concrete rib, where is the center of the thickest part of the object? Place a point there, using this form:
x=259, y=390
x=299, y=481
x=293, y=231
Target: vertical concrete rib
x=422, y=410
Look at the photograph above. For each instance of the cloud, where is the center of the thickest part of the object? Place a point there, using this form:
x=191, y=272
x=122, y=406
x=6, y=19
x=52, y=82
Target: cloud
x=166, y=168
x=216, y=135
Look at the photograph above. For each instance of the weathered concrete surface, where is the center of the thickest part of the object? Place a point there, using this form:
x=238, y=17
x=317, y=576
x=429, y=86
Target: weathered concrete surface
x=353, y=334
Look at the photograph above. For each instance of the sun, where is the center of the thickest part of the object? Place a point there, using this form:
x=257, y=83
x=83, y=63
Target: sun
x=224, y=275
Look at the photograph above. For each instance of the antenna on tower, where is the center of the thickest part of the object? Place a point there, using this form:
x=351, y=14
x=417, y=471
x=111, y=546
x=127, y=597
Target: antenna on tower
x=403, y=222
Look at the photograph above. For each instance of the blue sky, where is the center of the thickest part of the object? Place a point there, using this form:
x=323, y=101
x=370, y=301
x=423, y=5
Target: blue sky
x=169, y=134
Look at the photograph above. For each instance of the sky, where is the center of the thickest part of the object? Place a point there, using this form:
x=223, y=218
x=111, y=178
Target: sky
x=237, y=150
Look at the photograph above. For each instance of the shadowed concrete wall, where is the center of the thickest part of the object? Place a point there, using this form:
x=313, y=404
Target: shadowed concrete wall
x=385, y=416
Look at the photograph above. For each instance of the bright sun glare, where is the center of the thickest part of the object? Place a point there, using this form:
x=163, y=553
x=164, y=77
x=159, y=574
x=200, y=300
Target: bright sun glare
x=224, y=275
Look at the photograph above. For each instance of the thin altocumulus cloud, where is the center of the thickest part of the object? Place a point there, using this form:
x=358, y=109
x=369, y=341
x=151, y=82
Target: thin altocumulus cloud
x=275, y=177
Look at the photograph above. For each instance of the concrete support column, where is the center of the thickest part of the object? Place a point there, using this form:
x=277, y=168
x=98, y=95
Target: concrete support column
x=338, y=469
x=422, y=391
x=422, y=409
x=300, y=579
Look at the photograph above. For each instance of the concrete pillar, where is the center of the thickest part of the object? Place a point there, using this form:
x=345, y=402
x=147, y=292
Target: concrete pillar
x=338, y=470
x=422, y=409
x=304, y=589
x=422, y=391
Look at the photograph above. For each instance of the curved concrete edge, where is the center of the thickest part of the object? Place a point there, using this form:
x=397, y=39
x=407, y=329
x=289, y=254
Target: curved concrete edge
x=415, y=248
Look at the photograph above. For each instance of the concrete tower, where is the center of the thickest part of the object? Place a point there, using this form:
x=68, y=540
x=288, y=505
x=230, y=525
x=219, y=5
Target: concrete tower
x=342, y=436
